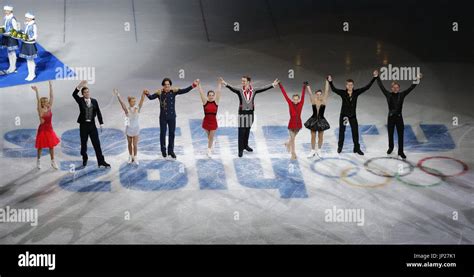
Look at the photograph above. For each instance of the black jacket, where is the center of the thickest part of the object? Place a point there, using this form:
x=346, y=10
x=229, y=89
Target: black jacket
x=395, y=100
x=349, y=103
x=82, y=108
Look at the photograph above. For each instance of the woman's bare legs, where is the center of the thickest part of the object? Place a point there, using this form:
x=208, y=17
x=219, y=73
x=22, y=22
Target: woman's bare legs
x=135, y=149
x=135, y=145
x=210, y=141
x=38, y=163
x=320, y=139
x=130, y=148
x=320, y=142
x=53, y=162
x=313, y=144
x=51, y=153
x=292, y=145
x=210, y=136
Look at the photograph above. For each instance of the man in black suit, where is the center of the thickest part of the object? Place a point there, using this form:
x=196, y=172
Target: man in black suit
x=348, y=110
x=89, y=109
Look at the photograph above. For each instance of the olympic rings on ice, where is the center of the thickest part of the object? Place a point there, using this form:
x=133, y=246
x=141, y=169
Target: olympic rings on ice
x=373, y=185
x=465, y=168
x=356, y=166
x=377, y=172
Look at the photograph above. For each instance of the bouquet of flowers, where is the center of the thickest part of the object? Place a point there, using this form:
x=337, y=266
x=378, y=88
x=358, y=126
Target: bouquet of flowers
x=24, y=37
x=19, y=35
x=14, y=33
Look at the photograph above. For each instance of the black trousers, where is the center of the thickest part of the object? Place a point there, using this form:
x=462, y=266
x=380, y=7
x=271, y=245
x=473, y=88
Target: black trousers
x=392, y=122
x=245, y=123
x=87, y=130
x=354, y=128
x=167, y=124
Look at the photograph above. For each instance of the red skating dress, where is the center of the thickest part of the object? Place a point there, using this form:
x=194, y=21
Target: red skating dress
x=46, y=137
x=295, y=109
x=210, y=111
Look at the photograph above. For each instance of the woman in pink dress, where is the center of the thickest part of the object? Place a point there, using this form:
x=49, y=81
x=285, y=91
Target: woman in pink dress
x=45, y=137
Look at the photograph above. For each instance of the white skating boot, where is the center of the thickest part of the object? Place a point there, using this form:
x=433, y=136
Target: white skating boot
x=209, y=153
x=38, y=164
x=54, y=165
x=135, y=160
x=312, y=153
x=319, y=153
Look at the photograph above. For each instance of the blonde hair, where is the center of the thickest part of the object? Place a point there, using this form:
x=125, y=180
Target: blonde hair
x=42, y=99
x=130, y=98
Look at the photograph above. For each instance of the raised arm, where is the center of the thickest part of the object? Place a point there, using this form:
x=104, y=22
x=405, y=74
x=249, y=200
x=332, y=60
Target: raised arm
x=201, y=93
x=231, y=88
x=285, y=95
x=301, y=103
x=142, y=99
x=326, y=90
x=38, y=103
x=382, y=88
x=75, y=94
x=188, y=89
x=265, y=88
x=152, y=96
x=366, y=88
x=408, y=90
x=311, y=95
x=51, y=94
x=218, y=91
x=124, y=107
x=333, y=88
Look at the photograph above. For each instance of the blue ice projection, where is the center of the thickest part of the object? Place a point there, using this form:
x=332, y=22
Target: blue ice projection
x=158, y=175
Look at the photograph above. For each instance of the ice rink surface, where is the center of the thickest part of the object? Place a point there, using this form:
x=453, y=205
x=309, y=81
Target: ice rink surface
x=262, y=198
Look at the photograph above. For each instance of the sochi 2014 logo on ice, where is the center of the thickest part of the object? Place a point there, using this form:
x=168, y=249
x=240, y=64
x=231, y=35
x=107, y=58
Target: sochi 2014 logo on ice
x=156, y=175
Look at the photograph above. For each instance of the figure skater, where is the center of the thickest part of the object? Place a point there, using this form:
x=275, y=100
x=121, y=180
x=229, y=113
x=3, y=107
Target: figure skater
x=317, y=122
x=88, y=110
x=210, y=104
x=295, y=105
x=11, y=44
x=348, y=110
x=28, y=47
x=246, y=96
x=45, y=137
x=132, y=128
x=395, y=99
x=167, y=96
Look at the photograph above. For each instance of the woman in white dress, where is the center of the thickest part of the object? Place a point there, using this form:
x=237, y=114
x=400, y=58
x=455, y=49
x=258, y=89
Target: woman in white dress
x=132, y=128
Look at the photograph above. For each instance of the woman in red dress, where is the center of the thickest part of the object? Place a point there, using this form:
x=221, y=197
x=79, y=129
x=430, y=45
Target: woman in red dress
x=45, y=137
x=295, y=105
x=210, y=104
